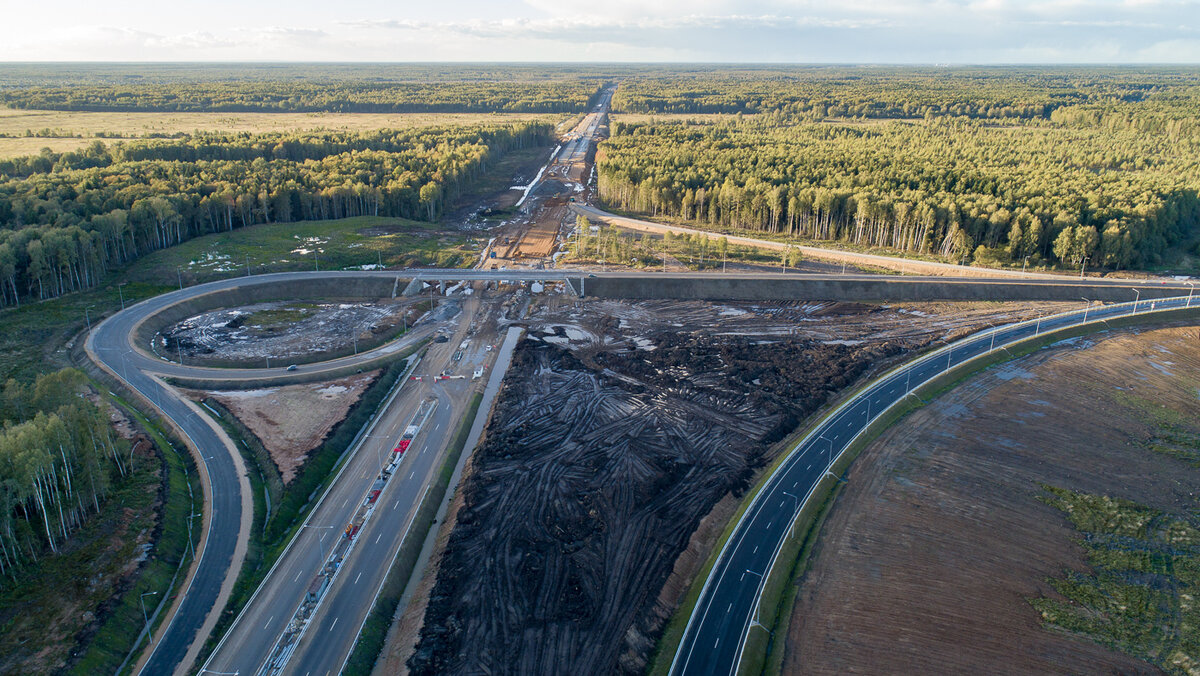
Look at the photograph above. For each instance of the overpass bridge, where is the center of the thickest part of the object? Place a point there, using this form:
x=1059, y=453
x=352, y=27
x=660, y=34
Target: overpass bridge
x=642, y=285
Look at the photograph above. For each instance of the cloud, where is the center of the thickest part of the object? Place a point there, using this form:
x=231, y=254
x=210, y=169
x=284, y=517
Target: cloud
x=899, y=31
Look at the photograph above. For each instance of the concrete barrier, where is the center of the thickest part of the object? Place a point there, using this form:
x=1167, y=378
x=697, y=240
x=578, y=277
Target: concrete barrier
x=881, y=289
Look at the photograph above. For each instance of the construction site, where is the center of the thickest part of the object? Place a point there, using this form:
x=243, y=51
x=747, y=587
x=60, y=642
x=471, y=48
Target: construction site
x=619, y=428
x=282, y=330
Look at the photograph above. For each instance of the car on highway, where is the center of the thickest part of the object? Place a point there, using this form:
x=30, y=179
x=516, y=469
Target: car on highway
x=292, y=367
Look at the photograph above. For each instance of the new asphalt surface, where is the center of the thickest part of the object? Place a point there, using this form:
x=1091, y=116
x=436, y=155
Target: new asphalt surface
x=724, y=615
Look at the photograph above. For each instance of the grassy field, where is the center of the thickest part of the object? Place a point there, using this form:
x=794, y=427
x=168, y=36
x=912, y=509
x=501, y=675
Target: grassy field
x=35, y=337
x=1139, y=596
x=70, y=130
x=345, y=244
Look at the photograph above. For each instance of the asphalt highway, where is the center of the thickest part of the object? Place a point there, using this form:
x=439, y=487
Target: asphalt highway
x=716, y=632
x=335, y=627
x=226, y=502
x=219, y=559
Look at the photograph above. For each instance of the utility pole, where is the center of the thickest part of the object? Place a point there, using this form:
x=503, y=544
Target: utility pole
x=122, y=294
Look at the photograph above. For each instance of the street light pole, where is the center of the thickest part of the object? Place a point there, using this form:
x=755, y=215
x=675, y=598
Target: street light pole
x=1190, y=292
x=122, y=293
x=1024, y=264
x=1137, y=299
x=179, y=275
x=1084, y=268
x=1086, y=308
x=145, y=619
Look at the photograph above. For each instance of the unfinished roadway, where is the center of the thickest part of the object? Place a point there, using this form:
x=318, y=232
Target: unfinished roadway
x=119, y=344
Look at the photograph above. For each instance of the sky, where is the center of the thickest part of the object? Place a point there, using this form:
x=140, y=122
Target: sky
x=787, y=31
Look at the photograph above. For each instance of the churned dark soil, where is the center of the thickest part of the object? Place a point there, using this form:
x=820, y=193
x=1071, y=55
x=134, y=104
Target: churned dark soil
x=590, y=483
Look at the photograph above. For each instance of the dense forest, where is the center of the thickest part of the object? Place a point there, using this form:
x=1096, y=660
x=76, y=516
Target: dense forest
x=819, y=92
x=293, y=88
x=1112, y=184
x=58, y=458
x=67, y=218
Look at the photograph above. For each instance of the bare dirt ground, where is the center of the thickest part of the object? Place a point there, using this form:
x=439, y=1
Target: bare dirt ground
x=619, y=427
x=930, y=556
x=541, y=239
x=280, y=331
x=292, y=420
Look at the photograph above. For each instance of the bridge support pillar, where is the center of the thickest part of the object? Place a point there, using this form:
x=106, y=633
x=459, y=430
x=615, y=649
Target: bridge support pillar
x=413, y=288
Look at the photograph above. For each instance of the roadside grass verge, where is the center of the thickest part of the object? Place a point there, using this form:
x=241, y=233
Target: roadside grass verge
x=34, y=337
x=788, y=569
x=374, y=630
x=163, y=573
x=341, y=244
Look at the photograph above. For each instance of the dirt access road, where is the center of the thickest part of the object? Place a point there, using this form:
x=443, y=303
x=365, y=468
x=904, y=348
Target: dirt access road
x=535, y=237
x=932, y=552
